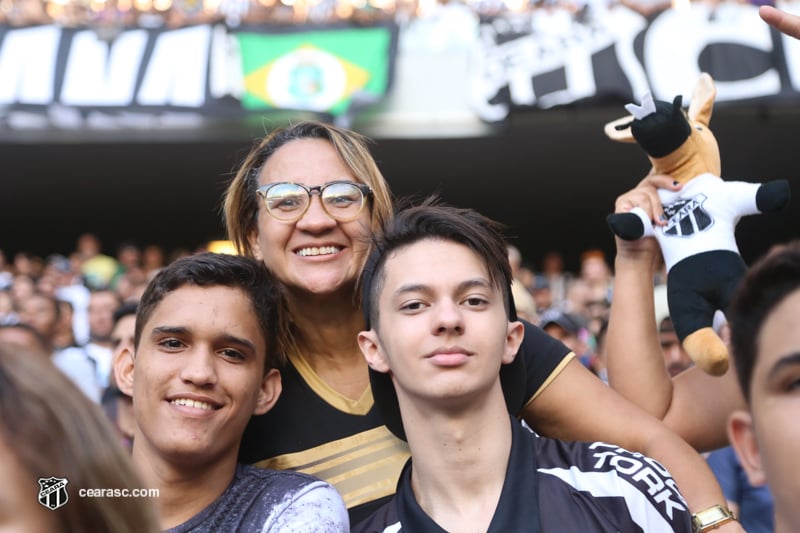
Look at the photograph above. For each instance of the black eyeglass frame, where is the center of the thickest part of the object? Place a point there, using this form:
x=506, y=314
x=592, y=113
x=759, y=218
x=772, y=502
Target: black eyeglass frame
x=366, y=195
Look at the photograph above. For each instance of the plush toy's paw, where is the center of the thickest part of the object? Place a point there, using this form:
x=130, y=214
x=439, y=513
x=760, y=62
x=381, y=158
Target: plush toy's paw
x=707, y=351
x=626, y=226
x=773, y=196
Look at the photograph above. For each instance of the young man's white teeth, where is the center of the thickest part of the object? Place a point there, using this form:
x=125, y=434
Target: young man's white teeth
x=192, y=403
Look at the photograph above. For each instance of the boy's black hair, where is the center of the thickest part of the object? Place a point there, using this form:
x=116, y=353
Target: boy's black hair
x=209, y=269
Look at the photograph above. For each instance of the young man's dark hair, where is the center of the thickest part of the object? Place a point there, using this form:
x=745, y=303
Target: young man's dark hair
x=766, y=285
x=433, y=219
x=210, y=270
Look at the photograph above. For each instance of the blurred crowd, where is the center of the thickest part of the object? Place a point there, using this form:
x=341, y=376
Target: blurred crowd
x=71, y=301
x=106, y=15
x=574, y=307
x=81, y=309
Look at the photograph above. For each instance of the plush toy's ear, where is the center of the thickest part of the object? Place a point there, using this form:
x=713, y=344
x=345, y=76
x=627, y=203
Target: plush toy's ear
x=703, y=100
x=620, y=130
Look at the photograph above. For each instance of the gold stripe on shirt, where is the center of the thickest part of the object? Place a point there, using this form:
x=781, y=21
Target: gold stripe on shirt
x=363, y=467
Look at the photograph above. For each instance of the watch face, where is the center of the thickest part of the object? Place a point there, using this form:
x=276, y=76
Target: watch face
x=711, y=517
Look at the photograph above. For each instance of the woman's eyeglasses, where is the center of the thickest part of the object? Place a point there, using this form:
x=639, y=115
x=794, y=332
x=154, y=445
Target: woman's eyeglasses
x=342, y=200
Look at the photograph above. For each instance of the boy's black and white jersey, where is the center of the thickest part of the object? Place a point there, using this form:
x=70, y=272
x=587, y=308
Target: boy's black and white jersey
x=554, y=486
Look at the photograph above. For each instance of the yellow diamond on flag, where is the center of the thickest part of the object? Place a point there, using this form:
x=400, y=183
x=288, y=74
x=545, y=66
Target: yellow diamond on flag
x=307, y=78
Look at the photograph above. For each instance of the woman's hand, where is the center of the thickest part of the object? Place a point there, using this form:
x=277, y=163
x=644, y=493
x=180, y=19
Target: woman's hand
x=644, y=251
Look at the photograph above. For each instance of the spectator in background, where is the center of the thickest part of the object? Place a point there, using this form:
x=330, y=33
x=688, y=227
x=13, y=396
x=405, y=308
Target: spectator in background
x=42, y=313
x=102, y=304
x=594, y=270
x=50, y=431
x=129, y=258
x=69, y=287
x=118, y=405
x=557, y=278
x=130, y=287
x=542, y=294
x=98, y=269
x=64, y=336
x=153, y=259
x=22, y=288
x=8, y=311
x=675, y=357
x=6, y=275
x=24, y=264
x=523, y=300
x=570, y=329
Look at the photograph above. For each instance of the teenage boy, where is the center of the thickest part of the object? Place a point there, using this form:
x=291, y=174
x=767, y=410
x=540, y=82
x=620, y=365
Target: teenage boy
x=441, y=345
x=763, y=318
x=204, y=361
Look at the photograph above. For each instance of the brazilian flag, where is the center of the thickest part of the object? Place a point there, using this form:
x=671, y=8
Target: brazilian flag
x=324, y=71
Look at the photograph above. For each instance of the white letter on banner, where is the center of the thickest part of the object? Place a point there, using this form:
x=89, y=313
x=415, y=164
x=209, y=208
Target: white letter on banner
x=27, y=65
x=225, y=65
x=579, y=76
x=97, y=75
x=671, y=60
x=177, y=72
x=487, y=75
x=624, y=25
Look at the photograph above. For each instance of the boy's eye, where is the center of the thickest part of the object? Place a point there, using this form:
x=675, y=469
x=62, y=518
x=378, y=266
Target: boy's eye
x=170, y=343
x=230, y=353
x=793, y=383
x=412, y=306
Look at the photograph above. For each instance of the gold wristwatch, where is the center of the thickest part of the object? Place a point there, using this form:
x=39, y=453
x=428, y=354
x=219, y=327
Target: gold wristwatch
x=711, y=518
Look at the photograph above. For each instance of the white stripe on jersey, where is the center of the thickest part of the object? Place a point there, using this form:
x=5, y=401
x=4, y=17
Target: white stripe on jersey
x=609, y=484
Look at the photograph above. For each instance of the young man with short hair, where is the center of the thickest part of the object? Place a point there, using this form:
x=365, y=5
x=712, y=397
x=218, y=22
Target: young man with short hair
x=765, y=338
x=204, y=361
x=440, y=345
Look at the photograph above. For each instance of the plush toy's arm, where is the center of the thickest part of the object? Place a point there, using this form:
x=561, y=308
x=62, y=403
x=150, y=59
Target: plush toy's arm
x=773, y=196
x=632, y=225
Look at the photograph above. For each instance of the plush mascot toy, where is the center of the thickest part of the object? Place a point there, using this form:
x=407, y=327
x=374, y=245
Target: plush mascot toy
x=698, y=243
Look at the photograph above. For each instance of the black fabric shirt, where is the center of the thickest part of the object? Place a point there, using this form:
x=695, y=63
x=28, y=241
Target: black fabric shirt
x=560, y=487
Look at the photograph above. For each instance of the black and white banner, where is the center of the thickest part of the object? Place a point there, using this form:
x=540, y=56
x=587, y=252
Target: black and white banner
x=549, y=57
x=452, y=69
